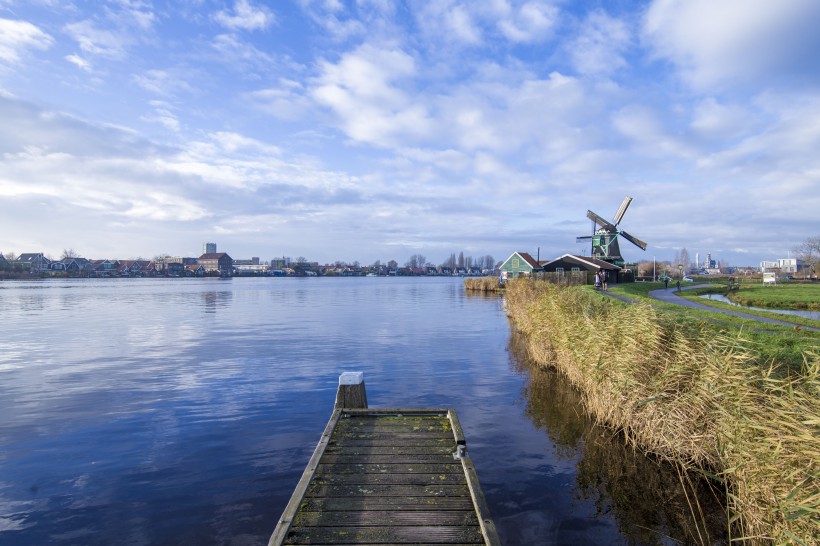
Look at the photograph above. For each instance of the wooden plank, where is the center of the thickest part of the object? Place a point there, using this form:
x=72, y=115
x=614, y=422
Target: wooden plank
x=442, y=450
x=311, y=504
x=390, y=535
x=385, y=518
x=381, y=490
x=393, y=458
x=389, y=479
x=392, y=437
x=389, y=468
x=384, y=442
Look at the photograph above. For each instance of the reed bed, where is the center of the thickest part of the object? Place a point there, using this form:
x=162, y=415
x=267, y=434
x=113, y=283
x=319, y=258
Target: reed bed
x=691, y=395
x=483, y=284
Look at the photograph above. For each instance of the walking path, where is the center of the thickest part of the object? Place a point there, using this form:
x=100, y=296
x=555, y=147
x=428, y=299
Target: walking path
x=670, y=295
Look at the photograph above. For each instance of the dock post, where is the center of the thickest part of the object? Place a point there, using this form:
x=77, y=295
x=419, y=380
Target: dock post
x=351, y=393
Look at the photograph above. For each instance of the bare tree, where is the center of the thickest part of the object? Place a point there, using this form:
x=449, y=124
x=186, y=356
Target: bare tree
x=808, y=252
x=416, y=261
x=393, y=264
x=69, y=253
x=461, y=260
x=684, y=258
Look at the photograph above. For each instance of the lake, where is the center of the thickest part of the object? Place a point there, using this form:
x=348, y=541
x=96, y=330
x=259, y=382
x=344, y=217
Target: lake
x=183, y=411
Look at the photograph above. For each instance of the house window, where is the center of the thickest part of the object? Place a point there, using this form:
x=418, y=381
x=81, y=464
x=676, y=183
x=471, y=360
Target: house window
x=515, y=263
x=576, y=269
x=559, y=269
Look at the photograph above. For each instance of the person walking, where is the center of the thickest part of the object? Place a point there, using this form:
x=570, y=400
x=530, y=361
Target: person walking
x=678, y=283
x=597, y=280
x=604, y=279
x=666, y=282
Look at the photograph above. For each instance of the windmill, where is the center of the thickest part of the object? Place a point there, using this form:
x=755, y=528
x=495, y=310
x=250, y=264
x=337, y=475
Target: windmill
x=605, y=236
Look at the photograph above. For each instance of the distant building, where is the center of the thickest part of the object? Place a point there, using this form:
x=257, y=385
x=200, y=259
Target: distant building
x=33, y=261
x=520, y=264
x=216, y=262
x=783, y=265
x=252, y=261
x=209, y=248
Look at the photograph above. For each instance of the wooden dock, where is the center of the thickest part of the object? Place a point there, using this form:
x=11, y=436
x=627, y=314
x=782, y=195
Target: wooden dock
x=388, y=476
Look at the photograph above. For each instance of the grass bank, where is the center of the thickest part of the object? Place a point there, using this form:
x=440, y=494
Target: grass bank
x=691, y=393
x=781, y=296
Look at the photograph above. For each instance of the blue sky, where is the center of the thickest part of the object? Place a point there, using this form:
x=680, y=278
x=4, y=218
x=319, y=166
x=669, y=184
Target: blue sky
x=373, y=130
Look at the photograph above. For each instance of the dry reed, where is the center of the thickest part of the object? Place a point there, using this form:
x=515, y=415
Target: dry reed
x=483, y=284
x=692, y=395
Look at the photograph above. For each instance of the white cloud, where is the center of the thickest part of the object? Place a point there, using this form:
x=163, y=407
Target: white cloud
x=287, y=101
x=600, y=46
x=245, y=16
x=162, y=82
x=735, y=41
x=95, y=41
x=361, y=89
x=17, y=36
x=530, y=22
x=79, y=62
x=713, y=119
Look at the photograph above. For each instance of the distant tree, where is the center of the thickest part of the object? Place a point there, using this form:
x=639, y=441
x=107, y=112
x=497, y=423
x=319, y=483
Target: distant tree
x=393, y=264
x=10, y=256
x=461, y=260
x=450, y=261
x=69, y=253
x=808, y=252
x=468, y=262
x=376, y=265
x=416, y=260
x=489, y=262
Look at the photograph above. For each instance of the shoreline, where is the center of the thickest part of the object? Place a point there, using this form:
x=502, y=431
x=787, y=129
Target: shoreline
x=689, y=394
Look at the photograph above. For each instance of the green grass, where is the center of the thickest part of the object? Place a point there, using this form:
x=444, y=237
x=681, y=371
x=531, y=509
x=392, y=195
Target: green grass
x=781, y=296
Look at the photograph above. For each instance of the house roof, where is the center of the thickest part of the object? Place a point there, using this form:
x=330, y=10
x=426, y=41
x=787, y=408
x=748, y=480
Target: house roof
x=213, y=255
x=30, y=257
x=588, y=261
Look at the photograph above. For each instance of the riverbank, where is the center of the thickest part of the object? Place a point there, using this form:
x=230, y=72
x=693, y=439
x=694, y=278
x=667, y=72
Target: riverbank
x=690, y=393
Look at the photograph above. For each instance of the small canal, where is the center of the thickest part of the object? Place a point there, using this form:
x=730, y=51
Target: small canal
x=814, y=315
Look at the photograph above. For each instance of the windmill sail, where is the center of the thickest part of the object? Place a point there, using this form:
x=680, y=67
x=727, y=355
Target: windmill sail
x=634, y=240
x=622, y=210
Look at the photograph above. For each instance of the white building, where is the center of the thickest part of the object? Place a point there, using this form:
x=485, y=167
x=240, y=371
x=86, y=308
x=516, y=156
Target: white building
x=783, y=265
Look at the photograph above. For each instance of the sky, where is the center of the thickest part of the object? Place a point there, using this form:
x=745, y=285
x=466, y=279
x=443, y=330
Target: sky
x=374, y=130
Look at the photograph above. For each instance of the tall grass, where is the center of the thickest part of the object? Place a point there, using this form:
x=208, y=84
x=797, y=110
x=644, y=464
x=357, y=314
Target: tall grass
x=483, y=284
x=694, y=396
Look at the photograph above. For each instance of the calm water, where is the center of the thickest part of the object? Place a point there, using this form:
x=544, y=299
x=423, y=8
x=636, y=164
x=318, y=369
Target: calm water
x=814, y=315
x=183, y=411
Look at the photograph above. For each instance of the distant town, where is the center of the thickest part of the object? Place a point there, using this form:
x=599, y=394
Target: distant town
x=212, y=263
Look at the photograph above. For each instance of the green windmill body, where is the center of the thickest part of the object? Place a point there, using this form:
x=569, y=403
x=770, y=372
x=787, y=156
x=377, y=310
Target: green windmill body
x=605, y=236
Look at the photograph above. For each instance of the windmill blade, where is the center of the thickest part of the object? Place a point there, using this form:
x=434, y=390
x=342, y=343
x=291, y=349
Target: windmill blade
x=634, y=240
x=583, y=239
x=622, y=210
x=600, y=221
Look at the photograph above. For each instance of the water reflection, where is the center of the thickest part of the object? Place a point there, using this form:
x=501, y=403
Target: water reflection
x=650, y=500
x=215, y=299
